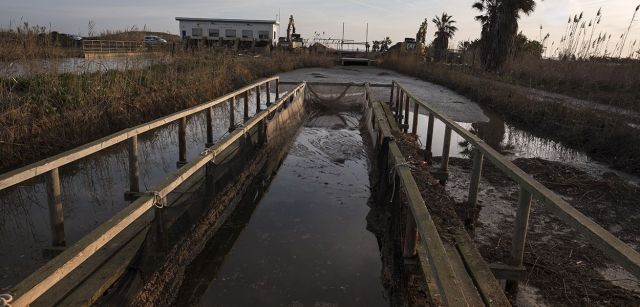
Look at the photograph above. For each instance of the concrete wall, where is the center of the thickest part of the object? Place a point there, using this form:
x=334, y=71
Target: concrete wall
x=208, y=30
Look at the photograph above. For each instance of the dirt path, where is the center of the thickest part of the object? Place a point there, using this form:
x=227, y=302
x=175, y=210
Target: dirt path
x=631, y=116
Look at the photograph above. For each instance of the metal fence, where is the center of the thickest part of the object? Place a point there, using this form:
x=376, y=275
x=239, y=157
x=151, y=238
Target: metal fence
x=107, y=46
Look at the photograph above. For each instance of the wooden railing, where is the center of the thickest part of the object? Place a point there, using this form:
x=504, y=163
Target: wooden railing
x=530, y=188
x=46, y=277
x=391, y=164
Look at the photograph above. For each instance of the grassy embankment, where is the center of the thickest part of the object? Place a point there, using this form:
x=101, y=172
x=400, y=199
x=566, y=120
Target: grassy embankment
x=45, y=114
x=602, y=137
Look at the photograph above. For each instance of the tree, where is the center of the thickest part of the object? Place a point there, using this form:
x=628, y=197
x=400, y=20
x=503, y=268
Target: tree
x=444, y=32
x=421, y=36
x=384, y=45
x=522, y=45
x=376, y=46
x=499, y=19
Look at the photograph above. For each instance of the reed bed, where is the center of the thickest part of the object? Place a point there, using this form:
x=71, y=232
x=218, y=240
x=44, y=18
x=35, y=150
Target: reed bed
x=45, y=114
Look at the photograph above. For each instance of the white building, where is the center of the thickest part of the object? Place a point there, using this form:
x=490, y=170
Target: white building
x=265, y=31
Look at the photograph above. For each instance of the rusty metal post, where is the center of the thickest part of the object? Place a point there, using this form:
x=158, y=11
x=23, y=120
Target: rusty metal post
x=277, y=89
x=405, y=126
x=56, y=212
x=428, y=149
x=416, y=113
x=182, y=143
x=519, y=235
x=134, y=170
x=258, y=97
x=246, y=106
x=444, y=166
x=232, y=114
x=209, y=120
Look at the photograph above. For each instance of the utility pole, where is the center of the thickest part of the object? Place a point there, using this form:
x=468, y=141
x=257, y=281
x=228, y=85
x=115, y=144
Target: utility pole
x=342, y=41
x=366, y=40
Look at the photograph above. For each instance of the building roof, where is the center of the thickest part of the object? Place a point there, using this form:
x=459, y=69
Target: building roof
x=227, y=20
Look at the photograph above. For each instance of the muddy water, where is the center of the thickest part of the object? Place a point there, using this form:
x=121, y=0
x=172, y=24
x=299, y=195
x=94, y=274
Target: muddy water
x=93, y=191
x=306, y=243
x=502, y=136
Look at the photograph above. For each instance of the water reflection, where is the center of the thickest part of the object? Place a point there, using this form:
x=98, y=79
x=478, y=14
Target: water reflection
x=93, y=190
x=306, y=243
x=501, y=136
x=77, y=65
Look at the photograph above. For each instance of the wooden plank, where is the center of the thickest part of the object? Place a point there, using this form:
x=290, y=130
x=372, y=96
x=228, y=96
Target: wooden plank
x=508, y=272
x=485, y=282
x=426, y=267
x=443, y=274
x=471, y=295
x=607, y=243
x=41, y=167
x=93, y=288
x=54, y=295
x=55, y=270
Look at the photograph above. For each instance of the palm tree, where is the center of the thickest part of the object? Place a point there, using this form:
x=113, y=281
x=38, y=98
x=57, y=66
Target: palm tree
x=499, y=21
x=444, y=31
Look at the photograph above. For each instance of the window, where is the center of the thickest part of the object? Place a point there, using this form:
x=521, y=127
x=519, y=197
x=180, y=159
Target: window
x=247, y=33
x=231, y=33
x=214, y=33
x=263, y=34
x=196, y=32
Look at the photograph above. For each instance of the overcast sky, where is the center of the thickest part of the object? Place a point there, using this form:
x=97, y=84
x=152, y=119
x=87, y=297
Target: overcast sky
x=394, y=18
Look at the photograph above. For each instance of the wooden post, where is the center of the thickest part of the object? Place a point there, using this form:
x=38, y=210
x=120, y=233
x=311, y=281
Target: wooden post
x=56, y=212
x=416, y=113
x=258, y=98
x=478, y=158
x=444, y=167
x=397, y=99
x=277, y=89
x=393, y=84
x=400, y=103
x=410, y=236
x=182, y=142
x=134, y=170
x=232, y=114
x=246, y=106
x=405, y=126
x=268, y=88
x=521, y=224
x=209, y=127
x=428, y=148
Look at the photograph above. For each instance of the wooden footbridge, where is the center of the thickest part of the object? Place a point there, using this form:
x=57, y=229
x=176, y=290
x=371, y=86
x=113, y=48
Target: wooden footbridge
x=455, y=272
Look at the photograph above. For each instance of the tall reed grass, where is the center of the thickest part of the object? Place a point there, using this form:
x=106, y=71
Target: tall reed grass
x=45, y=114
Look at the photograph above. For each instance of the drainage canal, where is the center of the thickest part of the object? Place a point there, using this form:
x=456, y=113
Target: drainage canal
x=280, y=223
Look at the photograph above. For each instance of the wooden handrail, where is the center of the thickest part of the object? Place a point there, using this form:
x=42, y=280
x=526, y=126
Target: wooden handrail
x=55, y=270
x=610, y=245
x=41, y=167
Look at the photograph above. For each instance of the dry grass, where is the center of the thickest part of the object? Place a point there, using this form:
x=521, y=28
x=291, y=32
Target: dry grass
x=46, y=114
x=611, y=83
x=32, y=42
x=603, y=138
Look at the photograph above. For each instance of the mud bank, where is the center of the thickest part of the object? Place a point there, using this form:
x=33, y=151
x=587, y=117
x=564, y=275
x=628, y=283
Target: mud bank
x=562, y=268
